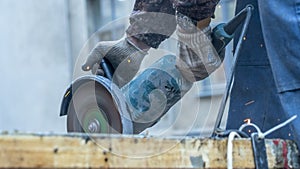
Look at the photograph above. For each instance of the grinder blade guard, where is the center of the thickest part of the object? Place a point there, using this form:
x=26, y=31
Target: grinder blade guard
x=93, y=104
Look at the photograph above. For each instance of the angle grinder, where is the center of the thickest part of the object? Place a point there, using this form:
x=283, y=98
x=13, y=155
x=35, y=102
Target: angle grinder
x=94, y=104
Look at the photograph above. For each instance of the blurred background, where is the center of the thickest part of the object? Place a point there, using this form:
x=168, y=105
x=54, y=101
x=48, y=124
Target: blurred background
x=39, y=45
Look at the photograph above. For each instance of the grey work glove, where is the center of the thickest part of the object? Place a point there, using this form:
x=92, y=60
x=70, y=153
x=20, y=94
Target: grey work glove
x=124, y=56
x=197, y=56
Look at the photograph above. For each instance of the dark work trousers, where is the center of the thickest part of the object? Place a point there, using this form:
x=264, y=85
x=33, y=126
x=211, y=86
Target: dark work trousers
x=153, y=21
x=267, y=78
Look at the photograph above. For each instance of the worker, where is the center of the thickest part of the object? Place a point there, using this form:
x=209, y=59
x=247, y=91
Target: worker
x=153, y=21
x=267, y=82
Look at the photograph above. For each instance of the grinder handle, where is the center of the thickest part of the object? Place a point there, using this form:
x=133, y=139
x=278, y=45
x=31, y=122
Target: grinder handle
x=223, y=33
x=107, y=68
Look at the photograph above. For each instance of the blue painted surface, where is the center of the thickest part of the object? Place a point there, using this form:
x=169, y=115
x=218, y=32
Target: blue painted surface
x=255, y=94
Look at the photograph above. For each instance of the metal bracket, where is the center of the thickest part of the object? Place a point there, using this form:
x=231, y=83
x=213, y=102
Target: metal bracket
x=259, y=151
x=248, y=12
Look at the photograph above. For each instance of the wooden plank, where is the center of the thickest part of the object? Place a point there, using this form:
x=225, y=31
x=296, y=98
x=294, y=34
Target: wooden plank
x=112, y=151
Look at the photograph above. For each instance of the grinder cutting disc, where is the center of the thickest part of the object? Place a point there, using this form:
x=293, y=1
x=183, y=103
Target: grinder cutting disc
x=95, y=108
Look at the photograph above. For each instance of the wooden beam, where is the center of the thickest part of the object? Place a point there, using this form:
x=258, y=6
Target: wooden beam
x=113, y=151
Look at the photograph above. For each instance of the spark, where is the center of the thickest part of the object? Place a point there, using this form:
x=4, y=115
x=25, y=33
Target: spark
x=250, y=102
x=248, y=121
x=67, y=94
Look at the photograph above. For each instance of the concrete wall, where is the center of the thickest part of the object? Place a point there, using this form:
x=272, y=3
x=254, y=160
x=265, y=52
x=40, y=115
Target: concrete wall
x=39, y=45
x=34, y=64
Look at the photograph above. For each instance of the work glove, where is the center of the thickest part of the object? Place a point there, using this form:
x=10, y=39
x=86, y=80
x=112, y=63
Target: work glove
x=197, y=56
x=124, y=56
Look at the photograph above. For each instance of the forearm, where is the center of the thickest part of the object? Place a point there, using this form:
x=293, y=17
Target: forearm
x=152, y=21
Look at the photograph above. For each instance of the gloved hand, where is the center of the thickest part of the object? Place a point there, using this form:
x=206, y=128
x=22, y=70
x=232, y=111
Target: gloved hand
x=124, y=55
x=197, y=56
